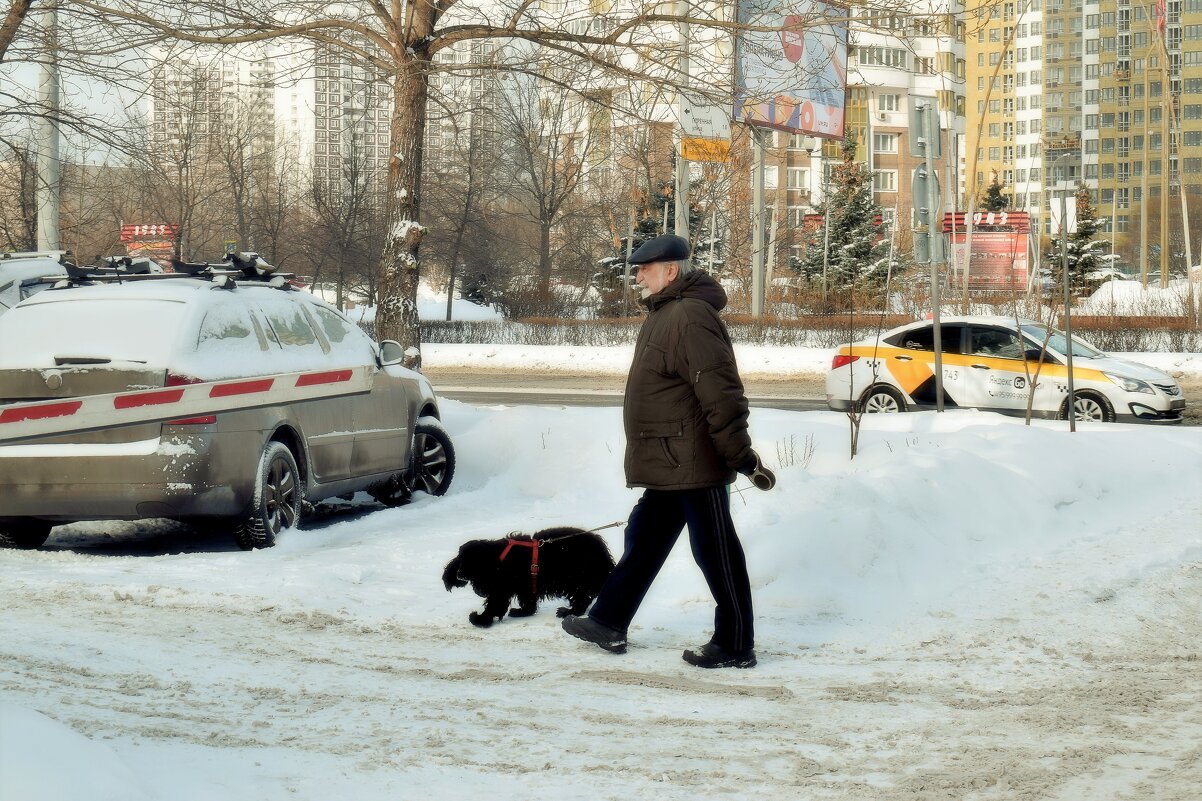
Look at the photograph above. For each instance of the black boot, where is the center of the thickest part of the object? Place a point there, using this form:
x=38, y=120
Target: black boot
x=589, y=630
x=715, y=656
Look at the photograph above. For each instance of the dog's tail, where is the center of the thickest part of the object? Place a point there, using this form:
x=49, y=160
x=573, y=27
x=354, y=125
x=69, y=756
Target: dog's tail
x=450, y=576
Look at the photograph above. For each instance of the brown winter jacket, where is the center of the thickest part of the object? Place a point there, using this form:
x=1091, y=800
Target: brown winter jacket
x=684, y=411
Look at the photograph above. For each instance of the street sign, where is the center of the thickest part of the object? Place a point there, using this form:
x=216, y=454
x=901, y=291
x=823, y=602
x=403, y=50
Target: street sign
x=920, y=109
x=695, y=148
x=920, y=192
x=231, y=246
x=703, y=121
x=929, y=248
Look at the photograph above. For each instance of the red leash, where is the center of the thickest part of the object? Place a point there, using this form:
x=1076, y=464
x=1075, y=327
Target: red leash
x=532, y=544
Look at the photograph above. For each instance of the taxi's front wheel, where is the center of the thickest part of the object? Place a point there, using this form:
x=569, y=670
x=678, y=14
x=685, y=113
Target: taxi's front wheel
x=1089, y=406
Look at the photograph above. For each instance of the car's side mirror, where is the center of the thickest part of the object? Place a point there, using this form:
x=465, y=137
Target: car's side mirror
x=391, y=353
x=1034, y=355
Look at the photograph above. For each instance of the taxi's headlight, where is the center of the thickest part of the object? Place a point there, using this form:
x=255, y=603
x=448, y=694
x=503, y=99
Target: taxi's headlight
x=1130, y=384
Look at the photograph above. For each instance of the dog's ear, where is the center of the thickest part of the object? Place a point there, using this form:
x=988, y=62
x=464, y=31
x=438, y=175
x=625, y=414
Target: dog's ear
x=450, y=575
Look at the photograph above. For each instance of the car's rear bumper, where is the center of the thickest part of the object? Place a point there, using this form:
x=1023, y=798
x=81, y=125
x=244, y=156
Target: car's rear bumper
x=162, y=477
x=839, y=404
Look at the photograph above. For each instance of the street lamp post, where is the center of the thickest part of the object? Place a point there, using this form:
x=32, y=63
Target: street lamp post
x=1068, y=317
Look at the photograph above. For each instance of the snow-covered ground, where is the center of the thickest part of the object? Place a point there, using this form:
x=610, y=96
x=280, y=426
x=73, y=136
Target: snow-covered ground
x=970, y=609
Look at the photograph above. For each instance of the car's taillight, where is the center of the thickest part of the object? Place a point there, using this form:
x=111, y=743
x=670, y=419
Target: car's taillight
x=842, y=359
x=178, y=380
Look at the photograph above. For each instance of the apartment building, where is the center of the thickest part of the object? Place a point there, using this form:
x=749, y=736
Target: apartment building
x=196, y=95
x=1108, y=93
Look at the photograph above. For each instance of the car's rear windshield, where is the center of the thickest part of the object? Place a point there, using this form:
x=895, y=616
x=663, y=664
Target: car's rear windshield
x=90, y=331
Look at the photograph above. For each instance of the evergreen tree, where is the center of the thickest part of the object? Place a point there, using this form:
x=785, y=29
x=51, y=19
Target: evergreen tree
x=858, y=251
x=994, y=200
x=1085, y=254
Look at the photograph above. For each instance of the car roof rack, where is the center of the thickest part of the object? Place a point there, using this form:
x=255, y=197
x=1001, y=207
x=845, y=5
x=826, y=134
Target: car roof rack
x=247, y=267
x=31, y=254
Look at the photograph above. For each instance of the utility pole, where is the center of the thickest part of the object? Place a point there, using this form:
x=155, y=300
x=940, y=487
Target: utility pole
x=926, y=143
x=49, y=165
x=682, y=102
x=1068, y=317
x=757, y=221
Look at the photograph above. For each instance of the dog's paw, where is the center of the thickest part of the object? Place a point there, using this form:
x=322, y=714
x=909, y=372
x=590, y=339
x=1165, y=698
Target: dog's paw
x=477, y=619
x=563, y=611
x=518, y=611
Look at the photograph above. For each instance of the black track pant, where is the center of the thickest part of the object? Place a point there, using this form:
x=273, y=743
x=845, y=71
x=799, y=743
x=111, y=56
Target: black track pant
x=653, y=528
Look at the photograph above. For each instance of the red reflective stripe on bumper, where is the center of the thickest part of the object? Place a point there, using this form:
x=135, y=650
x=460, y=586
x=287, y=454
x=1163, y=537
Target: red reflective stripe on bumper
x=241, y=388
x=147, y=399
x=330, y=377
x=40, y=412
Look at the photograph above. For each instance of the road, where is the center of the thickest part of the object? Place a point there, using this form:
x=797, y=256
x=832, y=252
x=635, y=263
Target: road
x=550, y=389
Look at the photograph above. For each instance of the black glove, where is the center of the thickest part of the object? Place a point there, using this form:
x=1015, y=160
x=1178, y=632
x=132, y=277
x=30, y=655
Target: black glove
x=761, y=476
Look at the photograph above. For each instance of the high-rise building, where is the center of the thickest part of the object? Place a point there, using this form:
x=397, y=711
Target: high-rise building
x=1104, y=94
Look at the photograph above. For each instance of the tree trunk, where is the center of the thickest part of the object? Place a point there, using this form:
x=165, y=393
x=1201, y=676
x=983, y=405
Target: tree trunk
x=396, y=306
x=544, y=259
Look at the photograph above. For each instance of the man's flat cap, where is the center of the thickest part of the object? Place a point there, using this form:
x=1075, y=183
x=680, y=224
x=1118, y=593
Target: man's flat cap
x=668, y=247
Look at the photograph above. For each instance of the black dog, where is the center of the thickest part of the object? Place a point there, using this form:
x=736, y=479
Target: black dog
x=571, y=563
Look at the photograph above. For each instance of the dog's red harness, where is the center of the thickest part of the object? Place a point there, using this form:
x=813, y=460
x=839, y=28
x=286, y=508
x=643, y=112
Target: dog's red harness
x=533, y=546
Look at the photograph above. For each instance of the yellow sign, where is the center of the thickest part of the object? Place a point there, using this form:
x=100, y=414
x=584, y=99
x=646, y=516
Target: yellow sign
x=698, y=149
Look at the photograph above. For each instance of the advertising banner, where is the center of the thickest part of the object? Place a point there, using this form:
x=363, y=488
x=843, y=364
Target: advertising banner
x=998, y=260
x=791, y=69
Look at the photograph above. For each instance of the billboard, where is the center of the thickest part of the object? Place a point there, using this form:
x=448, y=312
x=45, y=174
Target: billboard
x=791, y=66
x=999, y=249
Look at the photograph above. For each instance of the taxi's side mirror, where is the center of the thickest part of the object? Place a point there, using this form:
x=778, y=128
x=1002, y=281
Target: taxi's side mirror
x=1034, y=355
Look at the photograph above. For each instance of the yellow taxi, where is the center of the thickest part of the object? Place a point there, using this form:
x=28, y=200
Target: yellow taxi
x=992, y=363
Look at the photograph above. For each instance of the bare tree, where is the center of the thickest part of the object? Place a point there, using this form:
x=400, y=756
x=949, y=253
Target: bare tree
x=565, y=43
x=546, y=149
x=18, y=197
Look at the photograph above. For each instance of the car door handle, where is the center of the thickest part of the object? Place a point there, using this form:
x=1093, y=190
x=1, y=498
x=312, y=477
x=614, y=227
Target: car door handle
x=904, y=358
x=980, y=367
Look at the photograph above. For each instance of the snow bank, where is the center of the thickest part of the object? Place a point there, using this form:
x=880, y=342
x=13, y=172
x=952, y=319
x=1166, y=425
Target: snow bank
x=1132, y=298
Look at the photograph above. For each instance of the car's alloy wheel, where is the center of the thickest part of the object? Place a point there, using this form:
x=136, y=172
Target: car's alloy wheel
x=1089, y=407
x=880, y=400
x=24, y=534
x=278, y=499
x=433, y=458
x=431, y=466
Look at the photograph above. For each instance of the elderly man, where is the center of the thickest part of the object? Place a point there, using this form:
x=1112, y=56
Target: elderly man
x=685, y=417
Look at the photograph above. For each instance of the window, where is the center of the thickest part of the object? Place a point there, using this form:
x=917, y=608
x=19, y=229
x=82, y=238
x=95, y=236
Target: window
x=796, y=216
x=798, y=178
x=884, y=181
x=887, y=102
x=995, y=342
x=924, y=338
x=884, y=143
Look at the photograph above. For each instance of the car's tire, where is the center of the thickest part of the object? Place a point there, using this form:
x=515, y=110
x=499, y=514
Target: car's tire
x=278, y=501
x=881, y=400
x=431, y=466
x=24, y=534
x=1089, y=407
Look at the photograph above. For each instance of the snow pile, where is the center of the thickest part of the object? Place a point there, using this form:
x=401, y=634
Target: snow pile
x=773, y=360
x=431, y=305
x=964, y=552
x=1132, y=298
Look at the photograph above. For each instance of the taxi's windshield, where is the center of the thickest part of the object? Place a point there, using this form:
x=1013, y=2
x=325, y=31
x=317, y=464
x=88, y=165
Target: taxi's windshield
x=1036, y=333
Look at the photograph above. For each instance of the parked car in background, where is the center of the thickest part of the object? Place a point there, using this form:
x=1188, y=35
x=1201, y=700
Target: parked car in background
x=989, y=363
x=253, y=469
x=23, y=275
